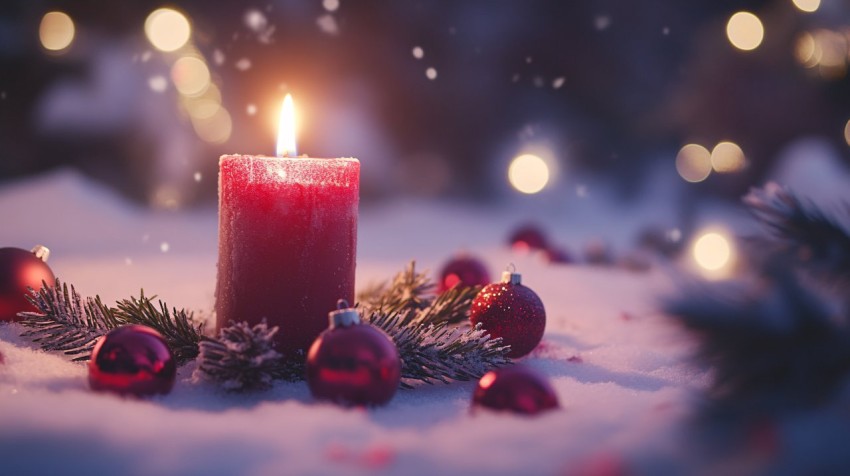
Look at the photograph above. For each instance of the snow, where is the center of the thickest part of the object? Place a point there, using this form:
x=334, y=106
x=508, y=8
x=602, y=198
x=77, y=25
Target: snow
x=618, y=366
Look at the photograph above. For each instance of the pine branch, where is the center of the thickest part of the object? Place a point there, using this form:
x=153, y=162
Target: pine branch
x=772, y=344
x=439, y=352
x=243, y=358
x=799, y=230
x=408, y=290
x=176, y=326
x=64, y=323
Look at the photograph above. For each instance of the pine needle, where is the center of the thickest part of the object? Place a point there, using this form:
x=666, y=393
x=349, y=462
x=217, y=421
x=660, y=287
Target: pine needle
x=176, y=326
x=814, y=239
x=65, y=323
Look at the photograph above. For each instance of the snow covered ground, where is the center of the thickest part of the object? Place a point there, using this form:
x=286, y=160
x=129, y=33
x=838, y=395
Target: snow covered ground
x=619, y=367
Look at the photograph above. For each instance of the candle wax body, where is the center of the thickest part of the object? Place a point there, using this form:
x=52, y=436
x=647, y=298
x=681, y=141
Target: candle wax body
x=287, y=243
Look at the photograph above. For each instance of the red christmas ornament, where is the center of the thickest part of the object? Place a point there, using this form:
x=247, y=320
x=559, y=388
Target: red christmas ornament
x=527, y=238
x=132, y=360
x=19, y=270
x=353, y=363
x=511, y=311
x=463, y=270
x=517, y=389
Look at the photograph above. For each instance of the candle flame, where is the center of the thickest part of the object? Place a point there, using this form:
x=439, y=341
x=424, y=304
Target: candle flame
x=286, y=129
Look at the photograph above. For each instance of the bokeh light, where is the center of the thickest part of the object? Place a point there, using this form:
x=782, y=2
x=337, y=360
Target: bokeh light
x=727, y=157
x=167, y=29
x=190, y=75
x=693, y=163
x=528, y=173
x=56, y=31
x=745, y=31
x=712, y=251
x=847, y=132
x=807, y=6
x=807, y=51
x=215, y=129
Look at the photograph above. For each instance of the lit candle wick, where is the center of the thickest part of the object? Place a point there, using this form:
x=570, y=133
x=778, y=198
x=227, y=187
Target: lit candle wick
x=286, y=129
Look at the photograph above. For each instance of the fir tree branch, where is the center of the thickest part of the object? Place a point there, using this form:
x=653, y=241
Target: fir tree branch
x=440, y=352
x=243, y=358
x=64, y=323
x=408, y=290
x=176, y=326
x=772, y=344
x=799, y=230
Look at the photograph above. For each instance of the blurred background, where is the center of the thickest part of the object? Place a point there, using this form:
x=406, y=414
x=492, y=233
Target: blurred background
x=474, y=100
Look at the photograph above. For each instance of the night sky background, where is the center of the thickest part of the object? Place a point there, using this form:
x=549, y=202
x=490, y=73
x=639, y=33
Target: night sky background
x=607, y=88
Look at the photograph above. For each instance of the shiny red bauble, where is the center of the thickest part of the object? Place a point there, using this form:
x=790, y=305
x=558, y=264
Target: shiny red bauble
x=353, y=363
x=516, y=389
x=132, y=360
x=19, y=270
x=511, y=311
x=528, y=237
x=463, y=270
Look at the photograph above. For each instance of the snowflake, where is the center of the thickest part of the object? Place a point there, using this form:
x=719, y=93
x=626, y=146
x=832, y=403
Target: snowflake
x=418, y=52
x=431, y=73
x=558, y=82
x=327, y=23
x=157, y=83
x=244, y=64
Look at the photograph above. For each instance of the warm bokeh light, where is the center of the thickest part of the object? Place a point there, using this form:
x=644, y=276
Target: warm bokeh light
x=287, y=128
x=528, y=173
x=167, y=29
x=56, y=31
x=712, y=251
x=847, y=132
x=727, y=157
x=693, y=163
x=190, y=75
x=745, y=31
x=215, y=129
x=205, y=105
x=807, y=51
x=807, y=6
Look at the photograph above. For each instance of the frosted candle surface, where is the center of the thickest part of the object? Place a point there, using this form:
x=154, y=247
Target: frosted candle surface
x=287, y=243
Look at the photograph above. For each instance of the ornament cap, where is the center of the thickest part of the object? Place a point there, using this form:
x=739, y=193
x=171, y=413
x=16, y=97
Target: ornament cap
x=344, y=315
x=510, y=276
x=41, y=252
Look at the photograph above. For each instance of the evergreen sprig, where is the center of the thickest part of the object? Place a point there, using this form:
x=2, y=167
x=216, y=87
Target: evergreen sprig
x=800, y=231
x=176, y=326
x=243, y=358
x=773, y=343
x=420, y=323
x=66, y=323
x=441, y=352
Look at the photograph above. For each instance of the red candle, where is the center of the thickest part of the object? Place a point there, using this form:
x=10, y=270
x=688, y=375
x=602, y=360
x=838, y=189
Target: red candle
x=287, y=240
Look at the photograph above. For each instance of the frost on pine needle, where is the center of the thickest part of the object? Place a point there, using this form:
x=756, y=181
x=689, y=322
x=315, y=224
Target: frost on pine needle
x=804, y=233
x=421, y=324
x=773, y=344
x=243, y=358
x=64, y=322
